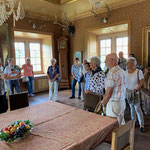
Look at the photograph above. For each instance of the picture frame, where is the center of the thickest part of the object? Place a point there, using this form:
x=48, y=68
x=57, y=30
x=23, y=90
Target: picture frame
x=79, y=54
x=146, y=47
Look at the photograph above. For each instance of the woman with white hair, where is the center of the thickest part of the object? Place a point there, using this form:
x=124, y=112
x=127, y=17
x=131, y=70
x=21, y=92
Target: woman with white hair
x=53, y=73
x=29, y=75
x=135, y=81
x=96, y=81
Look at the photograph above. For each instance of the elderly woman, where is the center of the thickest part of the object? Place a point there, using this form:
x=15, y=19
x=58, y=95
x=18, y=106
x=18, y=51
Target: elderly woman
x=134, y=83
x=96, y=81
x=53, y=74
x=29, y=75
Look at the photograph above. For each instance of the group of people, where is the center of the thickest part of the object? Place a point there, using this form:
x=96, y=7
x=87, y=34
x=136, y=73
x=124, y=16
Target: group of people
x=120, y=81
x=10, y=76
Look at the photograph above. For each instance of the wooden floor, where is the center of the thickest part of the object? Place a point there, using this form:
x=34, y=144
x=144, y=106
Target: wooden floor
x=142, y=140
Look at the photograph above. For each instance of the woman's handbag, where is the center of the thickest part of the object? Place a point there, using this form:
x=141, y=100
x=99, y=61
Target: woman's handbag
x=80, y=79
x=59, y=79
x=25, y=79
x=100, y=109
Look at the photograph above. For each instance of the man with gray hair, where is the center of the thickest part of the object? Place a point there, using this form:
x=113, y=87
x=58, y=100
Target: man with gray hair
x=122, y=61
x=10, y=71
x=115, y=90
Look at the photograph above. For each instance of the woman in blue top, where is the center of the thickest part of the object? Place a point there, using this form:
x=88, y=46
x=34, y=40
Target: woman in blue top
x=52, y=74
x=75, y=72
x=87, y=75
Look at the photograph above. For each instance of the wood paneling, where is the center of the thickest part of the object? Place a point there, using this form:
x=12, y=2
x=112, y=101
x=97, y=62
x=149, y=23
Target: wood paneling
x=138, y=15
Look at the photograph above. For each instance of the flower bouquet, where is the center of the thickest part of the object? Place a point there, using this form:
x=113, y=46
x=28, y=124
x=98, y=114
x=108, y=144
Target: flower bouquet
x=16, y=131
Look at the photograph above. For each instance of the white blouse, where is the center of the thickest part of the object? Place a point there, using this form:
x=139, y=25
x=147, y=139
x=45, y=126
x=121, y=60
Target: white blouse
x=132, y=79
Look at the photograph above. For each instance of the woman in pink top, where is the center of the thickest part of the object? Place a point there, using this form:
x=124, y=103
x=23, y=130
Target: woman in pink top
x=28, y=72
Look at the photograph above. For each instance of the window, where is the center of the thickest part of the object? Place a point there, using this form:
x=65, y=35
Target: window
x=29, y=49
x=35, y=55
x=20, y=53
x=105, y=49
x=122, y=45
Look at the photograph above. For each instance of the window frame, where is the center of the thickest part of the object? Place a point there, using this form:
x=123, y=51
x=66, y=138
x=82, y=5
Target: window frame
x=27, y=50
x=105, y=38
x=123, y=36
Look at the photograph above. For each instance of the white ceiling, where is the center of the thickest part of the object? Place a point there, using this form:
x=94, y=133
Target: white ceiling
x=72, y=8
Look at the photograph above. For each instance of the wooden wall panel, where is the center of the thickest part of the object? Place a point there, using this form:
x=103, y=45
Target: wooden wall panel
x=138, y=14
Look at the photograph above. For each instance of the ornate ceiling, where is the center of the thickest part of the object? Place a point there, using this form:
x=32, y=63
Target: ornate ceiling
x=74, y=9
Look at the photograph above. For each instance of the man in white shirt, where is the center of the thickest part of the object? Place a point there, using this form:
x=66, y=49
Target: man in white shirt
x=115, y=90
x=11, y=71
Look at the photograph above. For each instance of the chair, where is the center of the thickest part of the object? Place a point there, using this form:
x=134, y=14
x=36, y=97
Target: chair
x=90, y=101
x=18, y=101
x=122, y=138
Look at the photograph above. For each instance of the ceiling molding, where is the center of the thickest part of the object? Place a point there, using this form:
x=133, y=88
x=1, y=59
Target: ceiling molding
x=102, y=10
x=59, y=2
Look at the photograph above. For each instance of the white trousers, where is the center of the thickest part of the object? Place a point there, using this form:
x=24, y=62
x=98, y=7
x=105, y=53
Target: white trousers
x=53, y=86
x=136, y=110
x=116, y=109
x=82, y=90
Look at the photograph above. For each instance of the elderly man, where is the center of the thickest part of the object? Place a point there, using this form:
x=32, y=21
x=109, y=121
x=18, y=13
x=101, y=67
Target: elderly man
x=115, y=90
x=3, y=99
x=11, y=71
x=122, y=61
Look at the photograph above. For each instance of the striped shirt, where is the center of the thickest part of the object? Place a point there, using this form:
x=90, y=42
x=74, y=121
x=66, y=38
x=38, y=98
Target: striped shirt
x=117, y=80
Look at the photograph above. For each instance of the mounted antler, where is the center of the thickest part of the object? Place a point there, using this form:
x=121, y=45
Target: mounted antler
x=102, y=19
x=66, y=25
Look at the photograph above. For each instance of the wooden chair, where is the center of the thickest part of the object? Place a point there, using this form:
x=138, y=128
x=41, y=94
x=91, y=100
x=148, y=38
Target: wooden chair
x=90, y=101
x=18, y=101
x=122, y=138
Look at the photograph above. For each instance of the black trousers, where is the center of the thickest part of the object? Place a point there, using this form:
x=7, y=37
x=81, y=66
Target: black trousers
x=3, y=104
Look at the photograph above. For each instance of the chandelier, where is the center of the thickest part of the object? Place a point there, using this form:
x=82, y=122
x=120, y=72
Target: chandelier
x=8, y=8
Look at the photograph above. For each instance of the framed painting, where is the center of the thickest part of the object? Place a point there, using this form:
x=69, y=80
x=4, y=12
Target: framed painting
x=146, y=47
x=79, y=55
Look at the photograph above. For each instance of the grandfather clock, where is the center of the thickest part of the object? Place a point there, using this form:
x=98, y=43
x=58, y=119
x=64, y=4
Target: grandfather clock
x=63, y=61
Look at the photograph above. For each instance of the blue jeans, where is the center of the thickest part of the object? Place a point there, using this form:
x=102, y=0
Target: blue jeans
x=30, y=85
x=14, y=84
x=74, y=81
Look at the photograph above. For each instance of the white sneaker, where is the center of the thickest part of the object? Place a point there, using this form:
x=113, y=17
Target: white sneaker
x=32, y=95
x=29, y=95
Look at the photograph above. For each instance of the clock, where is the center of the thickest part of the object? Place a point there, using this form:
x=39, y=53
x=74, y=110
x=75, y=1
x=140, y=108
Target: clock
x=63, y=62
x=62, y=43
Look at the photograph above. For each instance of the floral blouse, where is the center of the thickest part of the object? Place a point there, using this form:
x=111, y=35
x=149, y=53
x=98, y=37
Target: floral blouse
x=96, y=81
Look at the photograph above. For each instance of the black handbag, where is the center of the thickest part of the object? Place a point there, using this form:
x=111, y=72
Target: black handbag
x=59, y=79
x=80, y=79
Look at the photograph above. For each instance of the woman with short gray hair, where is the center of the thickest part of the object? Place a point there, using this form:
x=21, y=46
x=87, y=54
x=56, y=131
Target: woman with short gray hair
x=135, y=81
x=28, y=76
x=96, y=81
x=53, y=73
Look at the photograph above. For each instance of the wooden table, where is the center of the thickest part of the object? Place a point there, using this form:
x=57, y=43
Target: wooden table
x=59, y=127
